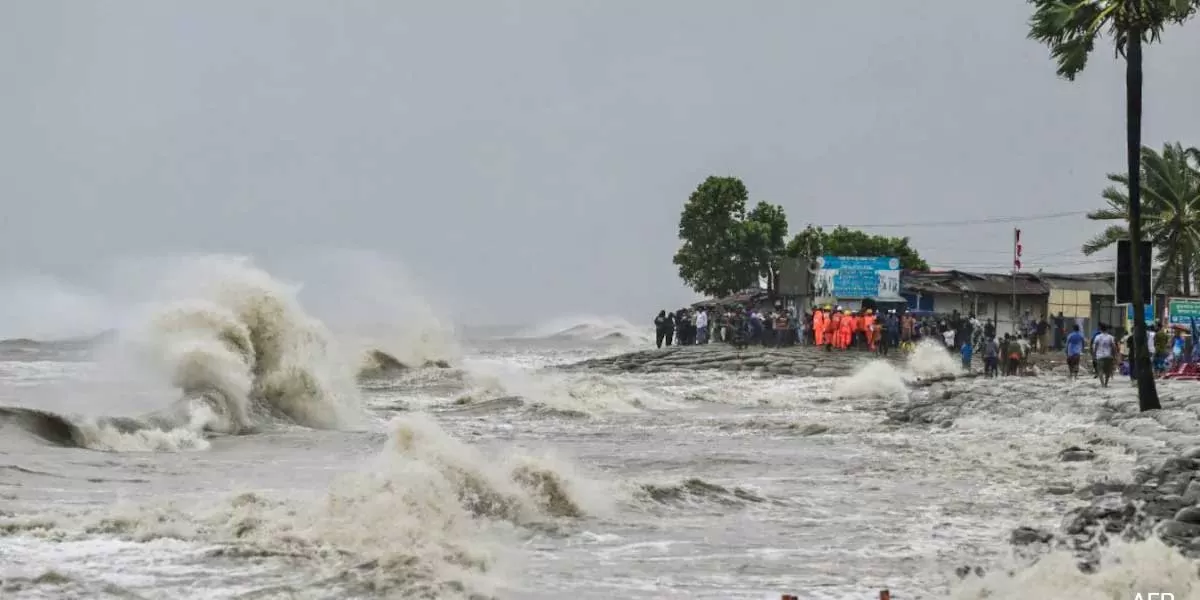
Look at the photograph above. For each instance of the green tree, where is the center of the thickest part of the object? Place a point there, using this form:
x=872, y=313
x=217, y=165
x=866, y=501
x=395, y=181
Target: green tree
x=725, y=249
x=1170, y=186
x=1071, y=28
x=842, y=241
x=766, y=230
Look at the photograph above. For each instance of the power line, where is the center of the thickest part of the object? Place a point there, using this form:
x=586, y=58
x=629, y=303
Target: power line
x=1025, y=266
x=1006, y=252
x=985, y=221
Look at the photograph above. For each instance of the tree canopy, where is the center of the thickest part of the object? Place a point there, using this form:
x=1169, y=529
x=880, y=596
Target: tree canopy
x=842, y=241
x=1071, y=29
x=725, y=249
x=1170, y=216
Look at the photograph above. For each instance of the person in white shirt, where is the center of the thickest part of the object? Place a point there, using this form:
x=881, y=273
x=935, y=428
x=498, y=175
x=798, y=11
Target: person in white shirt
x=702, y=326
x=1104, y=347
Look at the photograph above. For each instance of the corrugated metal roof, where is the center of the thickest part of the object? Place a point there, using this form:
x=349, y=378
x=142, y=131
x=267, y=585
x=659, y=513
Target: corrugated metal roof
x=962, y=282
x=1098, y=284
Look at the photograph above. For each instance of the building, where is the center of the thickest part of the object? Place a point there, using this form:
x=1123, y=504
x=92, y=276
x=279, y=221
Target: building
x=1002, y=297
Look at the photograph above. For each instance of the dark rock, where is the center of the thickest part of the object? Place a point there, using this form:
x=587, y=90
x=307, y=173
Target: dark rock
x=1114, y=517
x=1174, y=482
x=1076, y=454
x=1179, y=531
x=1177, y=465
x=1099, y=488
x=1060, y=489
x=1163, y=507
x=966, y=570
x=1190, y=514
x=1192, y=492
x=1024, y=536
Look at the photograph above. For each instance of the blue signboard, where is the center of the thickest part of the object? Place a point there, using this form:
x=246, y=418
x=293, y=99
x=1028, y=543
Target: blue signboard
x=918, y=302
x=1181, y=311
x=858, y=277
x=1149, y=312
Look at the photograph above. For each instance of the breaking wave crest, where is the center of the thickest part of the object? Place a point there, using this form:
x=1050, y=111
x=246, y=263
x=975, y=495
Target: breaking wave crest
x=238, y=352
x=427, y=517
x=698, y=491
x=496, y=387
x=882, y=379
x=589, y=328
x=1126, y=570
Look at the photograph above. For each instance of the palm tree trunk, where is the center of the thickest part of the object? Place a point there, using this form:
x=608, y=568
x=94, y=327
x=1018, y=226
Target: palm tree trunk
x=1185, y=269
x=1147, y=393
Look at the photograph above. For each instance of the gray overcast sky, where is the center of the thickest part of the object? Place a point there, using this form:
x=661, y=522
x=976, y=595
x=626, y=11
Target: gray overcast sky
x=497, y=148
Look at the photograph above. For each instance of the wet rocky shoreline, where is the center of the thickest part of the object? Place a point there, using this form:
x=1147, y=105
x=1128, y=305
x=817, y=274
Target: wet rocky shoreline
x=1160, y=498
x=793, y=361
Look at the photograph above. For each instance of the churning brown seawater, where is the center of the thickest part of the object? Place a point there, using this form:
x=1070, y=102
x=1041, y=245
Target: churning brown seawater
x=226, y=448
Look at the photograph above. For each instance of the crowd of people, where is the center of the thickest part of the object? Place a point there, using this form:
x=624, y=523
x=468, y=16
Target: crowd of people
x=873, y=328
x=881, y=329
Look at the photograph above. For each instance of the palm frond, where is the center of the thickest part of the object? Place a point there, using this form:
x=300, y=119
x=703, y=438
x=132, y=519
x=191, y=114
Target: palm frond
x=1069, y=30
x=1111, y=235
x=1105, y=214
x=1117, y=198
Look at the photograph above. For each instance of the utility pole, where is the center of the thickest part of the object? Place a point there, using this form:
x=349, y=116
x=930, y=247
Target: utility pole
x=1016, y=314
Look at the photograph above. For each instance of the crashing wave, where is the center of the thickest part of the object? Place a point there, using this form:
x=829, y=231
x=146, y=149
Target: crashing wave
x=379, y=364
x=590, y=329
x=239, y=352
x=428, y=517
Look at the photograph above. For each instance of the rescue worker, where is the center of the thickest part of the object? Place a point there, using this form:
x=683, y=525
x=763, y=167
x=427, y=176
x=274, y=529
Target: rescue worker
x=848, y=324
x=833, y=329
x=869, y=325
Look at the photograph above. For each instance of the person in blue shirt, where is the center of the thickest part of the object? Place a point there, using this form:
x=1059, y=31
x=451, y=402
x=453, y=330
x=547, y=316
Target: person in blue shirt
x=1074, y=352
x=1195, y=357
x=966, y=355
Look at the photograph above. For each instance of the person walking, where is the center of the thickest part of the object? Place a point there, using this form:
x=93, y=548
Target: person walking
x=991, y=355
x=1074, y=352
x=1105, y=349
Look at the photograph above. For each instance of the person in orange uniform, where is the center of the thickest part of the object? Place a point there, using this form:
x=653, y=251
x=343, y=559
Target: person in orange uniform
x=832, y=329
x=871, y=331
x=848, y=324
x=818, y=326
x=859, y=336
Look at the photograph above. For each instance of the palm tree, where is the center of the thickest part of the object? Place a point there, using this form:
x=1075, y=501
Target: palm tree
x=1170, y=213
x=1071, y=28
